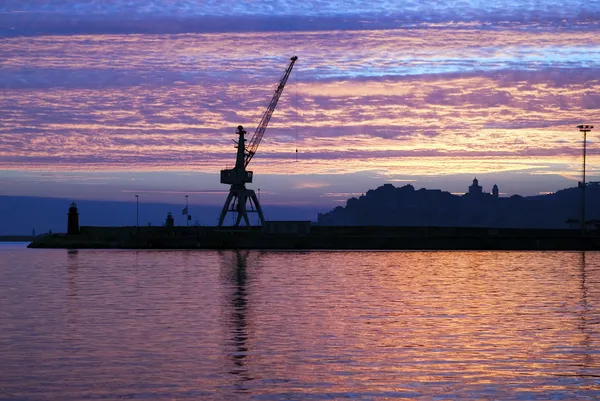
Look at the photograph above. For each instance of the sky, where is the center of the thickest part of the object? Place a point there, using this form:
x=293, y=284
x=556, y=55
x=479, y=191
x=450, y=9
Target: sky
x=105, y=99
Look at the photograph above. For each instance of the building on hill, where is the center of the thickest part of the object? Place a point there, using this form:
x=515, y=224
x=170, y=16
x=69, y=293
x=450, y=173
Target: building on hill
x=475, y=189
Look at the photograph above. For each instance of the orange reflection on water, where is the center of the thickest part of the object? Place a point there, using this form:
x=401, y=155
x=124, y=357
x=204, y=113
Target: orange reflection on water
x=171, y=324
x=448, y=321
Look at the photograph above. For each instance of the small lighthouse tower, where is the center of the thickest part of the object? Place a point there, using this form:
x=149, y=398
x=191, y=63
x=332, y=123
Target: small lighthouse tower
x=170, y=221
x=73, y=222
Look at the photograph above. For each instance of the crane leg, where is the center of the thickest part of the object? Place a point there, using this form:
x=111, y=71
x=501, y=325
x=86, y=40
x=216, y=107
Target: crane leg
x=225, y=208
x=240, y=209
x=238, y=219
x=242, y=212
x=245, y=215
x=258, y=210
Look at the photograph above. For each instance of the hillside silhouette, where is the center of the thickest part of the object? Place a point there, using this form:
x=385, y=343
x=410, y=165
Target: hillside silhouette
x=405, y=206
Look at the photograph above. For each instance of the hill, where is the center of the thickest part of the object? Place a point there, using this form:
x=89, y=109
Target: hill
x=405, y=206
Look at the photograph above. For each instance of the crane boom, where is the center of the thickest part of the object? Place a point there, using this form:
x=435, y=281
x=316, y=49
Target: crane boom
x=262, y=126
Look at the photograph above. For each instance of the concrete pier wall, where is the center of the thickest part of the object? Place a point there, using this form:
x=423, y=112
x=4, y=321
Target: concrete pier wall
x=323, y=237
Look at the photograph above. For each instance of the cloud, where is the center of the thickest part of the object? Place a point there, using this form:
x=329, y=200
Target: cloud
x=423, y=102
x=122, y=16
x=465, y=115
x=325, y=57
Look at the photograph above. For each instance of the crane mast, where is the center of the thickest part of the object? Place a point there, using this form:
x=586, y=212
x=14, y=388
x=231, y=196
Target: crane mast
x=237, y=177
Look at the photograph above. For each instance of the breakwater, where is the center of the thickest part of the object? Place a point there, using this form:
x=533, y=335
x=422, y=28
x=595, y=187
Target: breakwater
x=323, y=237
x=16, y=238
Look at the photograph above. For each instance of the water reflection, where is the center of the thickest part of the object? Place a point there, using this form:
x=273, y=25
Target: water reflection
x=583, y=325
x=313, y=325
x=72, y=268
x=236, y=280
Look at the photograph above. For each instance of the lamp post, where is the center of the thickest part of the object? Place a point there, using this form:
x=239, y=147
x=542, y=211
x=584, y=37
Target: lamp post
x=187, y=212
x=137, y=211
x=585, y=129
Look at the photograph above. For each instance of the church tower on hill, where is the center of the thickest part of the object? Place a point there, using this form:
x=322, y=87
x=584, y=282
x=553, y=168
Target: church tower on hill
x=475, y=189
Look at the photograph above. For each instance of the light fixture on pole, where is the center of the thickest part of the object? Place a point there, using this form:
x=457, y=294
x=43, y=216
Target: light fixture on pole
x=585, y=129
x=187, y=212
x=137, y=211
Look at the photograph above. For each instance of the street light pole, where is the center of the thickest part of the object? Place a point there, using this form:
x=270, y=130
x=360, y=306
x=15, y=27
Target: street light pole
x=585, y=129
x=187, y=212
x=137, y=211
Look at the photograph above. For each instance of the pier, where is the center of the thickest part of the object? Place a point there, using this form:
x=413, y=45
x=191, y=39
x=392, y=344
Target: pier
x=324, y=238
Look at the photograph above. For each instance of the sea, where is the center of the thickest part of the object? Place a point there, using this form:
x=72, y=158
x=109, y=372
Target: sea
x=280, y=325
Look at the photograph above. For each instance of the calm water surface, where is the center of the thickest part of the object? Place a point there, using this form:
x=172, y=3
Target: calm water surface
x=169, y=325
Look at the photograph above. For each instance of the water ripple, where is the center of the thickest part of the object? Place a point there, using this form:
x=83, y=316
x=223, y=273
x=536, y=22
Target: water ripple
x=298, y=325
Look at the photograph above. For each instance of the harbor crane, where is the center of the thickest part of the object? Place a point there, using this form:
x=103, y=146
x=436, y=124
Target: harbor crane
x=240, y=196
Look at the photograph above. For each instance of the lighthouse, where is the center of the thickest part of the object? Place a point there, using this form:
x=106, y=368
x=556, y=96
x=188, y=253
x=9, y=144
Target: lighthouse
x=73, y=221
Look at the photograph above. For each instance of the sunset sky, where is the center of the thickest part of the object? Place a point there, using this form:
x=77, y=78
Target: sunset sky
x=104, y=99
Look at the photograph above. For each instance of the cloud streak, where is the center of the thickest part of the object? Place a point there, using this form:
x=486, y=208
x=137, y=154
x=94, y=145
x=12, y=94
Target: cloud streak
x=430, y=10
x=68, y=17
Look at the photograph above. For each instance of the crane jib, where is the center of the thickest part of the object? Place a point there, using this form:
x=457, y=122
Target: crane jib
x=264, y=122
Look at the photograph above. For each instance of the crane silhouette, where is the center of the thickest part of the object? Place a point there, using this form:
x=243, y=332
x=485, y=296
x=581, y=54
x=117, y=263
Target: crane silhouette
x=240, y=196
